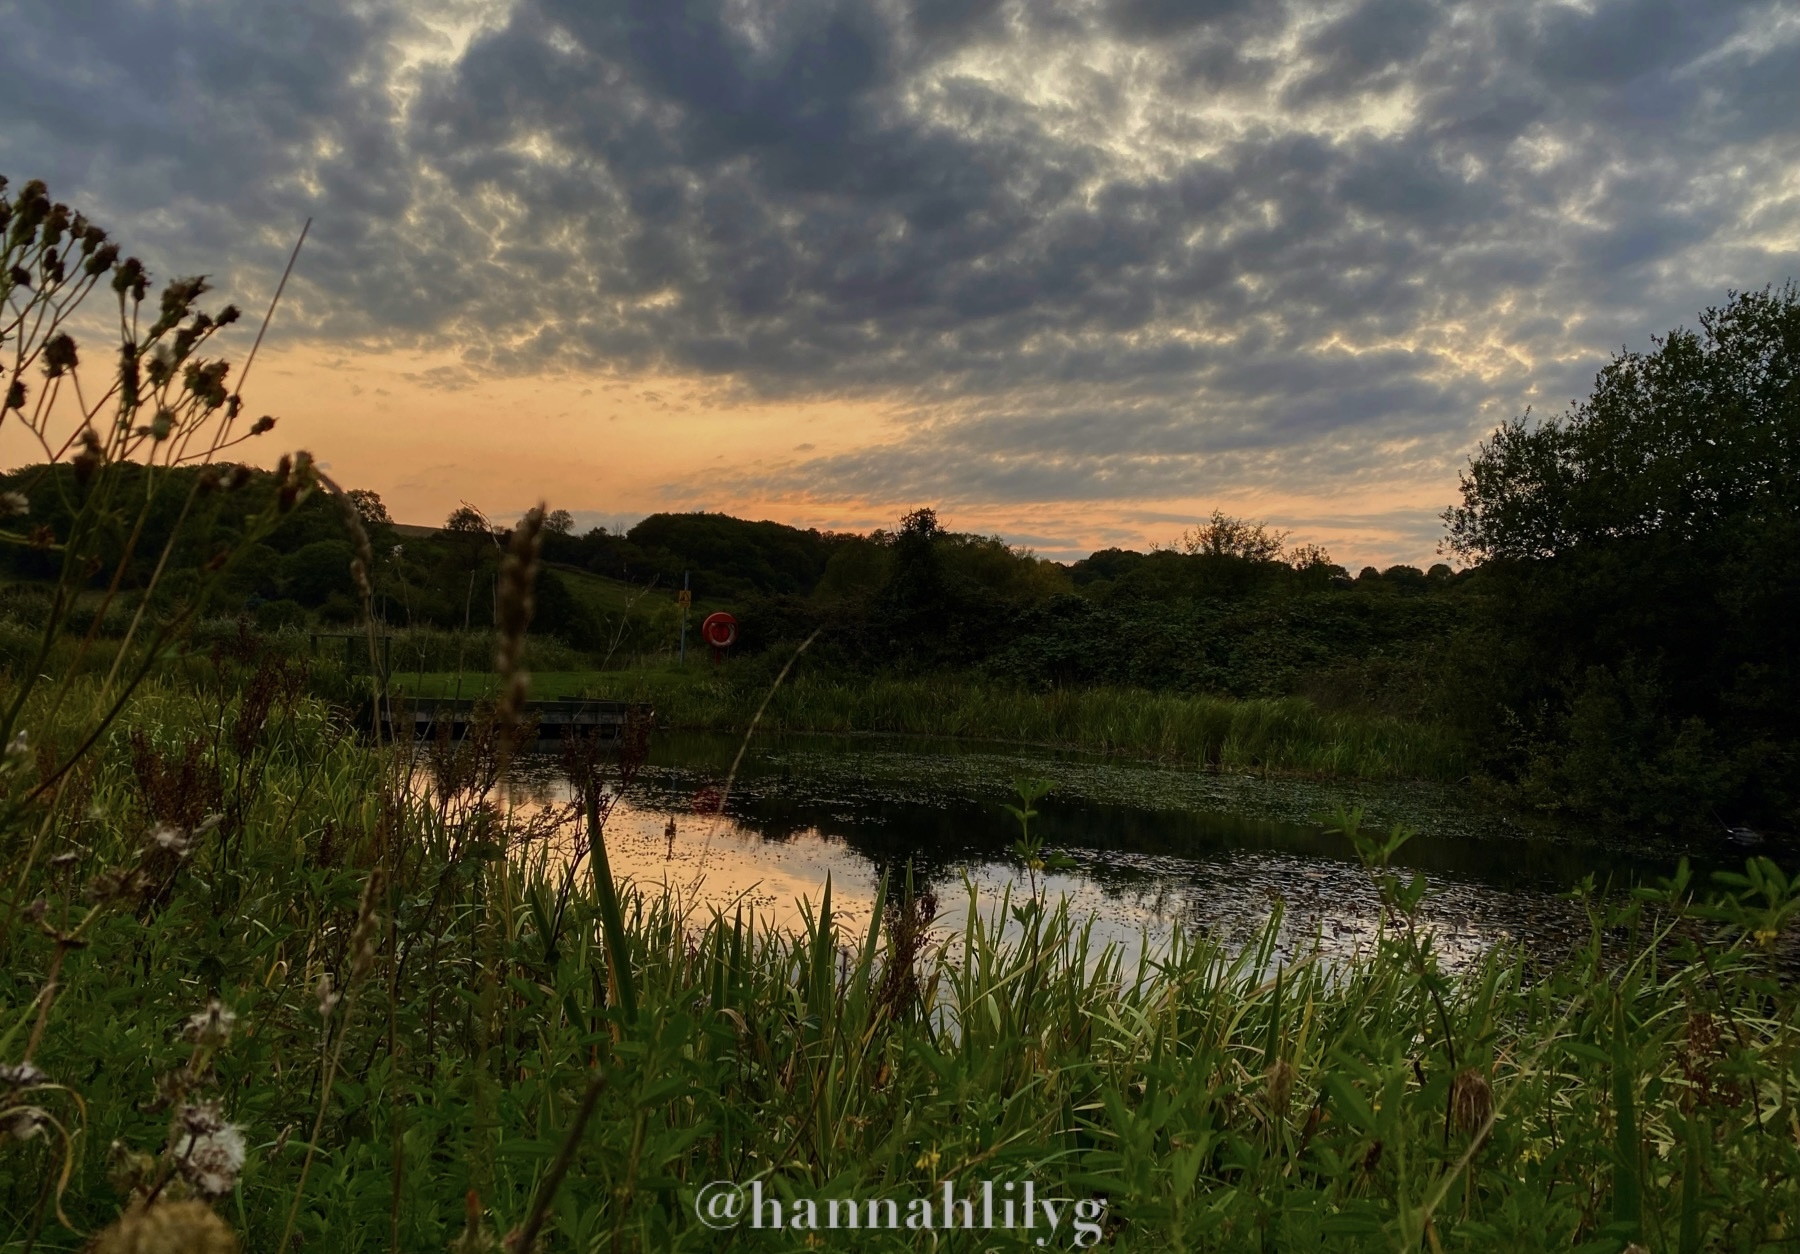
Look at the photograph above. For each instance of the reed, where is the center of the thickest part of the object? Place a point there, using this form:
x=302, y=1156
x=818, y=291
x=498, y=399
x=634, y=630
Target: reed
x=1283, y=735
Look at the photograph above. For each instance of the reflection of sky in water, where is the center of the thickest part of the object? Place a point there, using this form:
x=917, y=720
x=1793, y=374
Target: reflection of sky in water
x=1154, y=848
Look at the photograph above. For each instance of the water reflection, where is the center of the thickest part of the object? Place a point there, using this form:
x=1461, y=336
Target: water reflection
x=1154, y=848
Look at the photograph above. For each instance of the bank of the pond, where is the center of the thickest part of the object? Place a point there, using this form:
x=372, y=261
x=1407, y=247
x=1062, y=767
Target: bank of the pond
x=1282, y=735
x=420, y=1017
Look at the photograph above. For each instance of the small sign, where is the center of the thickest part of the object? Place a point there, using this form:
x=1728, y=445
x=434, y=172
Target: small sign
x=684, y=598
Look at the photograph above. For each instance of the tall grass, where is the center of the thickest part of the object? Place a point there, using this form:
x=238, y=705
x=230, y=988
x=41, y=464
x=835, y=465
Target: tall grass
x=1281, y=734
x=1642, y=1089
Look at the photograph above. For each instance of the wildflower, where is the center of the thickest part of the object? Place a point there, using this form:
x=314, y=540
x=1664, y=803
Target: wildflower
x=188, y=1227
x=19, y=746
x=211, y=1026
x=212, y=1154
x=328, y=999
x=13, y=504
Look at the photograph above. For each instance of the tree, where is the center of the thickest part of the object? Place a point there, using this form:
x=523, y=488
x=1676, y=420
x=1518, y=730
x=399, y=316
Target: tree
x=369, y=507
x=1225, y=536
x=1640, y=564
x=1671, y=443
x=559, y=522
x=465, y=519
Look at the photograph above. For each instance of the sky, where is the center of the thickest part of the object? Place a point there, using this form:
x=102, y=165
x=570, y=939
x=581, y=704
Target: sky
x=1073, y=272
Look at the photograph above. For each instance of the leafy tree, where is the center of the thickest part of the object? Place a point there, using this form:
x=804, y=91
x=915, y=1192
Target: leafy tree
x=559, y=522
x=465, y=519
x=1225, y=536
x=1674, y=443
x=369, y=507
x=1641, y=565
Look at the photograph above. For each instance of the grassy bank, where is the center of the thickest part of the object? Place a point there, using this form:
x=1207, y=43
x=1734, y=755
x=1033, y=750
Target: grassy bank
x=1291, y=734
x=425, y=1023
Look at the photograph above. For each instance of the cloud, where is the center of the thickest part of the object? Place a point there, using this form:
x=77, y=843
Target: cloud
x=1091, y=248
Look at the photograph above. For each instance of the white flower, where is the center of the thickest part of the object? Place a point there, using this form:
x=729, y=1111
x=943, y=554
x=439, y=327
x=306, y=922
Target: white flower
x=13, y=503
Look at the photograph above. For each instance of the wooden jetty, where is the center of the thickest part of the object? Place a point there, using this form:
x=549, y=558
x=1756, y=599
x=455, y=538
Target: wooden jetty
x=422, y=717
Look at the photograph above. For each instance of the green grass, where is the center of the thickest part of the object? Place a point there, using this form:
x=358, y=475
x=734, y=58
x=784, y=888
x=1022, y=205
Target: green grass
x=1643, y=1088
x=1286, y=735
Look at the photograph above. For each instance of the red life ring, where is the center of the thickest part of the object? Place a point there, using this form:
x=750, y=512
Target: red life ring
x=719, y=630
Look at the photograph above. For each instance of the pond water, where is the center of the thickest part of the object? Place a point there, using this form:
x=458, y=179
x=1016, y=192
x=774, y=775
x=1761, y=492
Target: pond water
x=1154, y=847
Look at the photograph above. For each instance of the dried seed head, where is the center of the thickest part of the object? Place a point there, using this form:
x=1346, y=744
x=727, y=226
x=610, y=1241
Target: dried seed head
x=171, y=839
x=21, y=1123
x=59, y=355
x=265, y=423
x=88, y=460
x=127, y=1169
x=211, y=1026
x=209, y=1151
x=101, y=261
x=1278, y=1085
x=1471, y=1100
x=200, y=1118
x=15, y=394
x=186, y=1227
x=20, y=1075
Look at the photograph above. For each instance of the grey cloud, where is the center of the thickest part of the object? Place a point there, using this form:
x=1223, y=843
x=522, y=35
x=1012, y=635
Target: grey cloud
x=837, y=197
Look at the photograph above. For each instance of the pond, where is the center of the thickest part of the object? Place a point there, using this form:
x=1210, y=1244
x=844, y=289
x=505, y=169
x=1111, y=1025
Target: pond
x=1154, y=847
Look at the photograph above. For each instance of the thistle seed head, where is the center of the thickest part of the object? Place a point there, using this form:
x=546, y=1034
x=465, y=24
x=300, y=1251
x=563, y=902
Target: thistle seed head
x=209, y=1161
x=21, y=1075
x=59, y=355
x=186, y=1227
x=171, y=839
x=211, y=1026
x=21, y=1123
